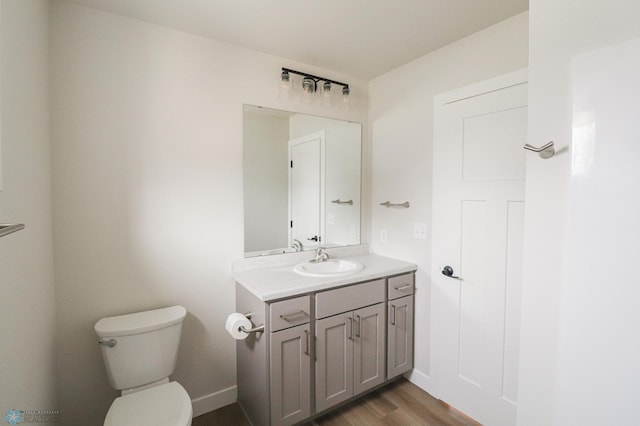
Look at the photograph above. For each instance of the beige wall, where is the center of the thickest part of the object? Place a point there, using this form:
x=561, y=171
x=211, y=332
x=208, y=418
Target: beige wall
x=147, y=181
x=26, y=263
x=401, y=120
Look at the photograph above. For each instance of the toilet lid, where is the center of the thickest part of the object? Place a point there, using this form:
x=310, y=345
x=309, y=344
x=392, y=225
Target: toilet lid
x=164, y=405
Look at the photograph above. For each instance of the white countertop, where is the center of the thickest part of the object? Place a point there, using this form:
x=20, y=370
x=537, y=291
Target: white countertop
x=278, y=280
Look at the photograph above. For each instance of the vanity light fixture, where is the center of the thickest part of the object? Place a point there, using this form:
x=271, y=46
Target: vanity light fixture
x=311, y=88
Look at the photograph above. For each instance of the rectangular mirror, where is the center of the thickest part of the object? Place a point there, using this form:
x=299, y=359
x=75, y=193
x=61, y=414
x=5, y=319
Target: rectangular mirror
x=301, y=181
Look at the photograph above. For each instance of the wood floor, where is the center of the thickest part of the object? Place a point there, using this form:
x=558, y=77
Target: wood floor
x=399, y=403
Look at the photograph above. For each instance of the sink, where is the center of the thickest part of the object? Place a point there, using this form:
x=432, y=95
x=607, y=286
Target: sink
x=330, y=267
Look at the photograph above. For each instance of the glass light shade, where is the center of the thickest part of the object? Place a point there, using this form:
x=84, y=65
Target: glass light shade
x=285, y=85
x=308, y=85
x=345, y=97
x=326, y=93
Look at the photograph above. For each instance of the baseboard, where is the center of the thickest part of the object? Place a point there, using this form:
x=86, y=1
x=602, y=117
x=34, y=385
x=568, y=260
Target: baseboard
x=215, y=400
x=421, y=380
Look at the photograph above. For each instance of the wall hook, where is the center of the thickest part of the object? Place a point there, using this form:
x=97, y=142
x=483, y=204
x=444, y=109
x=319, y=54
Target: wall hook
x=545, y=151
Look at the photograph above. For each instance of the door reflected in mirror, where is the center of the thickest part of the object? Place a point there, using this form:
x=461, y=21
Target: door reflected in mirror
x=301, y=181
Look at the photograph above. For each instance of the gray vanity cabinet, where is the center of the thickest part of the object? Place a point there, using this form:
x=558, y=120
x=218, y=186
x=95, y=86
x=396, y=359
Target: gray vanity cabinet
x=368, y=348
x=290, y=360
x=400, y=325
x=350, y=351
x=322, y=348
x=334, y=360
x=290, y=375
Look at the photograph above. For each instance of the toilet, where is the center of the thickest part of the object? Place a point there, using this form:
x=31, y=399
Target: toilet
x=140, y=352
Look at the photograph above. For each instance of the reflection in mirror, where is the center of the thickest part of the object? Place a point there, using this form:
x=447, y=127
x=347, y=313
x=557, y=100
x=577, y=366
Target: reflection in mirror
x=301, y=181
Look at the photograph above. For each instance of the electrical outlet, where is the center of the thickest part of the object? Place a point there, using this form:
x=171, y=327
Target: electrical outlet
x=383, y=235
x=420, y=231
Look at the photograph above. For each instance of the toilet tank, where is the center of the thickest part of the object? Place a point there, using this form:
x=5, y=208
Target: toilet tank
x=146, y=346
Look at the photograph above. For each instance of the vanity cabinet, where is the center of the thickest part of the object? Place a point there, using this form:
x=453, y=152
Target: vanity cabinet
x=350, y=354
x=323, y=348
x=400, y=325
x=350, y=332
x=290, y=375
x=290, y=360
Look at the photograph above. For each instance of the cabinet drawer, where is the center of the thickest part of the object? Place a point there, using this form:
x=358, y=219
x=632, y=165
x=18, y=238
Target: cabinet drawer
x=400, y=286
x=290, y=312
x=344, y=299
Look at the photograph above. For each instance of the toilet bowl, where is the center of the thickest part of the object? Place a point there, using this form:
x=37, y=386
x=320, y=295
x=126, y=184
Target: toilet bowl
x=140, y=352
x=163, y=405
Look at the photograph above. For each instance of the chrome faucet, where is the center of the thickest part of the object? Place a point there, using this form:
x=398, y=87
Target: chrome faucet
x=297, y=245
x=321, y=256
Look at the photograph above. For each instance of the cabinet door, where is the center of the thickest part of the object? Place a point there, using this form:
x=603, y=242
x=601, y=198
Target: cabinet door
x=400, y=336
x=290, y=369
x=334, y=360
x=368, y=348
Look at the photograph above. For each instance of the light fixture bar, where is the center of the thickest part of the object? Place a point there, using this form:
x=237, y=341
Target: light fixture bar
x=314, y=77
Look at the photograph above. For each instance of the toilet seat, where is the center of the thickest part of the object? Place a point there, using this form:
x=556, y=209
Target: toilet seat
x=164, y=405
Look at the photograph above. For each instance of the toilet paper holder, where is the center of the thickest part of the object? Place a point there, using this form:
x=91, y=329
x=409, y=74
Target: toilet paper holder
x=258, y=329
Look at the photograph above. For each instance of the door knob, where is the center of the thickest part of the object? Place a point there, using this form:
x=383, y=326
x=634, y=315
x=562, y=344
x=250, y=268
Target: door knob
x=314, y=238
x=447, y=271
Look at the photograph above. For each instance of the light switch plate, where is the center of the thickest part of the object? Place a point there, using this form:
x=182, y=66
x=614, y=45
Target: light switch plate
x=383, y=235
x=420, y=230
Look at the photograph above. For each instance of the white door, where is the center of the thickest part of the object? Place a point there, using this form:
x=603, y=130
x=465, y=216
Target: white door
x=478, y=219
x=306, y=189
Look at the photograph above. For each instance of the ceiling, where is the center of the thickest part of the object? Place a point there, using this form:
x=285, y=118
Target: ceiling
x=362, y=38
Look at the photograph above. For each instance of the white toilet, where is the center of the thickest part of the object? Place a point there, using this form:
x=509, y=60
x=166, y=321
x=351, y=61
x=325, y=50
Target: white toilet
x=139, y=352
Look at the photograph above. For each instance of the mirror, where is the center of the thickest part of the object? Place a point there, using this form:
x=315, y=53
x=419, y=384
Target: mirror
x=301, y=181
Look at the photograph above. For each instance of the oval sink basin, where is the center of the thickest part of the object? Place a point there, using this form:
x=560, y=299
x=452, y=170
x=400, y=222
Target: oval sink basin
x=329, y=267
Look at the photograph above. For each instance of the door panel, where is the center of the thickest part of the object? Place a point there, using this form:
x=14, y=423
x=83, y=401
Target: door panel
x=290, y=375
x=470, y=299
x=369, y=345
x=400, y=336
x=478, y=195
x=334, y=360
x=512, y=296
x=505, y=160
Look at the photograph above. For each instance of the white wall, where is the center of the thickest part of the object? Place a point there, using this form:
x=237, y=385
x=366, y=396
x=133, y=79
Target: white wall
x=401, y=119
x=147, y=180
x=578, y=365
x=266, y=181
x=27, y=367
x=343, y=142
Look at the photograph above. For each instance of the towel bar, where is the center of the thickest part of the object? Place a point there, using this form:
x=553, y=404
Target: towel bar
x=9, y=228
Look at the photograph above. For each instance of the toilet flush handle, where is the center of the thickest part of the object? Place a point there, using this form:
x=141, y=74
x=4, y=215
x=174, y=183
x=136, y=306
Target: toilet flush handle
x=111, y=342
